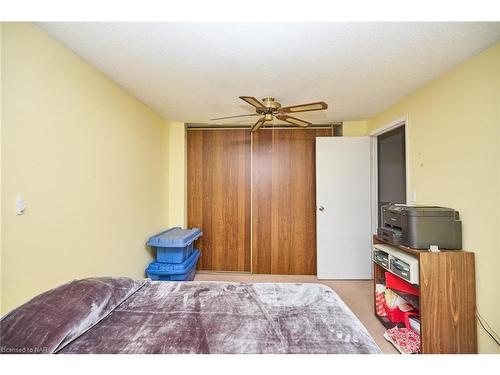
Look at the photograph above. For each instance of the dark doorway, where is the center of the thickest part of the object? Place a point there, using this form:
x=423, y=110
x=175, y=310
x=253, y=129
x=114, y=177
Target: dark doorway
x=391, y=168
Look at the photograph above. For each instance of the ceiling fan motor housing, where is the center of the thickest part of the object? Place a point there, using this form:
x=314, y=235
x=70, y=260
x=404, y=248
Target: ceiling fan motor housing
x=270, y=104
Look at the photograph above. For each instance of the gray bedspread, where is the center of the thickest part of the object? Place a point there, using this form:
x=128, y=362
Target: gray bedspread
x=219, y=317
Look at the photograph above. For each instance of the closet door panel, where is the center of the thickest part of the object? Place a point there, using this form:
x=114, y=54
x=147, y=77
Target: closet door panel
x=218, y=183
x=284, y=201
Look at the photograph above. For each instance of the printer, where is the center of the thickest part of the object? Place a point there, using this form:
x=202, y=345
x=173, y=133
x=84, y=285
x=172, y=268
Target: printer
x=419, y=227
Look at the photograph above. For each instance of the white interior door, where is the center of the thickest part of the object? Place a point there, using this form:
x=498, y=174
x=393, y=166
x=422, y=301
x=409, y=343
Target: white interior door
x=343, y=209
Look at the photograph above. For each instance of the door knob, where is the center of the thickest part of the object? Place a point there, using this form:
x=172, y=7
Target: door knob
x=321, y=208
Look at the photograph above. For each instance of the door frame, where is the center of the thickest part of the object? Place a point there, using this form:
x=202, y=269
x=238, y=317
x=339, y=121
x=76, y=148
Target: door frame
x=391, y=125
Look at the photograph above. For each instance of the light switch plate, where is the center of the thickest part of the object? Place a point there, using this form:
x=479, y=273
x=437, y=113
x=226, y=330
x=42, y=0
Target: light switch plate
x=20, y=205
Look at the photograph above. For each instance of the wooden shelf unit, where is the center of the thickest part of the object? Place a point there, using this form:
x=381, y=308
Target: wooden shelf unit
x=447, y=299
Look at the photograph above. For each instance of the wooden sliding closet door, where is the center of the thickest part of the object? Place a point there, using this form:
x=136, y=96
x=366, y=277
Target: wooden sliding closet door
x=218, y=183
x=284, y=201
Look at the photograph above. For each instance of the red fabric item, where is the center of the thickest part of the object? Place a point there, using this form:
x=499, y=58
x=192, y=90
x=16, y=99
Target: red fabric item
x=379, y=304
x=405, y=340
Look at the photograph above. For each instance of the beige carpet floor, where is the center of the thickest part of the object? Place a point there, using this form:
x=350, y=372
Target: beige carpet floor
x=357, y=294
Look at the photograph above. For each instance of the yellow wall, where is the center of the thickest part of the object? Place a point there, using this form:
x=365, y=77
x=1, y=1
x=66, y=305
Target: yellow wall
x=454, y=161
x=89, y=159
x=177, y=175
x=354, y=128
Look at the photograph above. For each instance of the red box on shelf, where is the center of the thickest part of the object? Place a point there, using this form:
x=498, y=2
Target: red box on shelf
x=395, y=315
x=396, y=283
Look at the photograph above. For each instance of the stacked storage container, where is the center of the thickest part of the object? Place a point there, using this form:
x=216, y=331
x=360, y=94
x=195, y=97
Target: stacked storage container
x=176, y=256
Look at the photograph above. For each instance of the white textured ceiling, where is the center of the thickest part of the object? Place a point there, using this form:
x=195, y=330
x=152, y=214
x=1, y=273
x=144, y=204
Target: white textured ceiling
x=192, y=72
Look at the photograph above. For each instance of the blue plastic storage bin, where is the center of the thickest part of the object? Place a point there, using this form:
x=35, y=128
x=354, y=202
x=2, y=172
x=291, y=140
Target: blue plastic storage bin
x=174, y=245
x=174, y=272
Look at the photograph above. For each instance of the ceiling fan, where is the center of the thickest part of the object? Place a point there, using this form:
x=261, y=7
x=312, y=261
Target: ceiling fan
x=270, y=108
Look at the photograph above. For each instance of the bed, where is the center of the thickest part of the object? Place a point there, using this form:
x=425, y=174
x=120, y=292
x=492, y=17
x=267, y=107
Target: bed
x=121, y=315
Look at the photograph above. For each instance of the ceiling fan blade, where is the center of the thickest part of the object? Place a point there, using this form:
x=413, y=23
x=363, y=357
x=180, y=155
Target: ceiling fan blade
x=293, y=120
x=258, y=124
x=316, y=106
x=252, y=101
x=222, y=118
